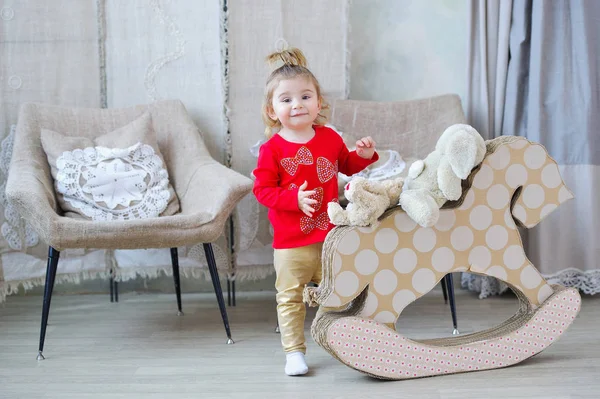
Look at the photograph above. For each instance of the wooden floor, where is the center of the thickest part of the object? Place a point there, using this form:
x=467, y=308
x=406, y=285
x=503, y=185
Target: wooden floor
x=139, y=348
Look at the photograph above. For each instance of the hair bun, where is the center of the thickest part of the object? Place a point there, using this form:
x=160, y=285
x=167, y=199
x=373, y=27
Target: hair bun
x=289, y=56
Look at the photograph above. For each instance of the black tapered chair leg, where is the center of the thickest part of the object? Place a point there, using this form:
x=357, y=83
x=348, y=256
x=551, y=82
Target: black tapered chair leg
x=51, y=267
x=444, y=290
x=228, y=291
x=111, y=287
x=233, y=293
x=450, y=285
x=176, y=279
x=214, y=275
x=116, y=285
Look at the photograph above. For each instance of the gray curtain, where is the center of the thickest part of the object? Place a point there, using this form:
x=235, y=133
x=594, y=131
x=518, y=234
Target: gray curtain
x=552, y=96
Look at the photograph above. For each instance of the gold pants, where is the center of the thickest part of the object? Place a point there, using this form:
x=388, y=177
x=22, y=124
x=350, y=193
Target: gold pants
x=295, y=267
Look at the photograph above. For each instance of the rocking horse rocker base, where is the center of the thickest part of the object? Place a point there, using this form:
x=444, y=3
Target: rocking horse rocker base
x=370, y=274
x=378, y=351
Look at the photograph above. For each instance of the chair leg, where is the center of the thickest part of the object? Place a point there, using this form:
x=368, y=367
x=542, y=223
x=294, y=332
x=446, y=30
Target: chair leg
x=114, y=289
x=444, y=290
x=228, y=291
x=233, y=293
x=175, y=263
x=51, y=267
x=111, y=287
x=212, y=267
x=450, y=284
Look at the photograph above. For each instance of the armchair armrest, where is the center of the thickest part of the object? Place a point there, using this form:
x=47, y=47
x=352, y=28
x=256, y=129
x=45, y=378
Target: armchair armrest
x=30, y=190
x=212, y=189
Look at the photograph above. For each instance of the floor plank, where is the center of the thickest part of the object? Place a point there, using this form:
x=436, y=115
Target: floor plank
x=140, y=348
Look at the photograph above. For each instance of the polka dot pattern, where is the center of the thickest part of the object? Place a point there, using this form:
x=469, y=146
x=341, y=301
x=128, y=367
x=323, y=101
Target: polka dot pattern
x=496, y=237
x=530, y=278
x=423, y=280
x=514, y=257
x=462, y=238
x=516, y=175
x=400, y=261
x=442, y=259
x=551, y=176
x=500, y=159
x=498, y=197
x=535, y=156
x=346, y=283
x=481, y=217
x=370, y=347
x=404, y=223
x=424, y=239
x=497, y=271
x=405, y=260
x=533, y=196
x=480, y=258
x=385, y=282
x=402, y=299
x=446, y=220
x=366, y=262
x=484, y=178
x=349, y=244
x=386, y=240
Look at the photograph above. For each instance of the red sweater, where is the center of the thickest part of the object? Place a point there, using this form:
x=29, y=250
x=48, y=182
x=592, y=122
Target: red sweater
x=283, y=166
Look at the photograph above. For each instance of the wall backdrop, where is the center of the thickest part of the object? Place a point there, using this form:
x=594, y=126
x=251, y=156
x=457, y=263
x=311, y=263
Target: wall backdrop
x=210, y=54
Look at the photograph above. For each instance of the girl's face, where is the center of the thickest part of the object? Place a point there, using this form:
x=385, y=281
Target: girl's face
x=295, y=103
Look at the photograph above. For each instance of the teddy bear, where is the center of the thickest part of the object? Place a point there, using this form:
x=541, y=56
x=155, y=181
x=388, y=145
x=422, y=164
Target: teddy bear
x=368, y=199
x=437, y=178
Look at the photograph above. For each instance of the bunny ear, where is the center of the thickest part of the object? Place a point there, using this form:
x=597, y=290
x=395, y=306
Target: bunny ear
x=462, y=154
x=373, y=187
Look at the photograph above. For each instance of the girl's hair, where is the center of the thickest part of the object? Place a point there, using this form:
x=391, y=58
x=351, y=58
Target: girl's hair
x=288, y=64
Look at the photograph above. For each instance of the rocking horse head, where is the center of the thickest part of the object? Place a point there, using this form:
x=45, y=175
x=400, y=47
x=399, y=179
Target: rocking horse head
x=534, y=177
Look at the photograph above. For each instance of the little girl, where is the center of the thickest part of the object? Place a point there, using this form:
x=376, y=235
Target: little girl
x=296, y=177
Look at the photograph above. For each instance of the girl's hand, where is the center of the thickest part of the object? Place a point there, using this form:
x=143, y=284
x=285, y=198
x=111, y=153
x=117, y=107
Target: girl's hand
x=365, y=147
x=304, y=200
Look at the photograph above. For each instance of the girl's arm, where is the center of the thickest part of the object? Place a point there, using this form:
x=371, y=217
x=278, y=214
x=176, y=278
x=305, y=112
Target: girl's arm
x=350, y=162
x=266, y=185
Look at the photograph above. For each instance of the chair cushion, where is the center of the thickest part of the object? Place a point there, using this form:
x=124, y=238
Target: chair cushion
x=120, y=175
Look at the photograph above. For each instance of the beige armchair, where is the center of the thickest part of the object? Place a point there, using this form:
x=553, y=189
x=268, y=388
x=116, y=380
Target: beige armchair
x=207, y=191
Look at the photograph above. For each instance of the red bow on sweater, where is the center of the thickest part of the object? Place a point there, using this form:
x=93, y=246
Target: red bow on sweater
x=308, y=224
x=325, y=169
x=303, y=157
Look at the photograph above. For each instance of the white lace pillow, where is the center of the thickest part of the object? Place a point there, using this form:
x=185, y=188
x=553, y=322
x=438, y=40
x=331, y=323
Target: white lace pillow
x=117, y=175
x=114, y=183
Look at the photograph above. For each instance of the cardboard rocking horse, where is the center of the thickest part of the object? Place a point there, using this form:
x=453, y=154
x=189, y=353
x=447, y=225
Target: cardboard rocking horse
x=370, y=274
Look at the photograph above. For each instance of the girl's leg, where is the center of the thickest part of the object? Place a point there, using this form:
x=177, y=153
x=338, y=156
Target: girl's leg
x=294, y=269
